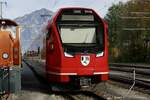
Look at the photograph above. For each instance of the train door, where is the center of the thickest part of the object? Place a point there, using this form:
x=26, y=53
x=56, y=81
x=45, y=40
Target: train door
x=49, y=49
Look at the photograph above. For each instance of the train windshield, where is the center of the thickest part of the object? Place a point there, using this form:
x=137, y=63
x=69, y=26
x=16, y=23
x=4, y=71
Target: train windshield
x=80, y=32
x=78, y=35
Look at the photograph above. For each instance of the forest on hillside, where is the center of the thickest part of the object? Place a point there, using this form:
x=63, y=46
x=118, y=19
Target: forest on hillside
x=129, y=31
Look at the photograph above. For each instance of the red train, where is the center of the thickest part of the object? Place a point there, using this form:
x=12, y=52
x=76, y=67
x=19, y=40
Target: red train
x=76, y=47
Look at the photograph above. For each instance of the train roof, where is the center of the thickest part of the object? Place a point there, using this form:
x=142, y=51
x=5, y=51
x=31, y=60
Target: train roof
x=56, y=14
x=64, y=8
x=70, y=8
x=7, y=22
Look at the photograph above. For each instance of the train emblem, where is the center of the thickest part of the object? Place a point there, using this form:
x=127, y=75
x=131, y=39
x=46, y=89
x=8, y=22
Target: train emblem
x=85, y=60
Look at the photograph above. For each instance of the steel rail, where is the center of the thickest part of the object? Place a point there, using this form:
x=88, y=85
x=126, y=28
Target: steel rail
x=130, y=65
x=130, y=69
x=125, y=77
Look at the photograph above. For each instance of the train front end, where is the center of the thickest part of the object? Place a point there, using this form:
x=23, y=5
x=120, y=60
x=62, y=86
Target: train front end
x=76, y=47
x=10, y=57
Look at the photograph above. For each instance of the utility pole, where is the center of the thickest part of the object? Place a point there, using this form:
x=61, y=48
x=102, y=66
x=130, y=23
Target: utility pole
x=1, y=6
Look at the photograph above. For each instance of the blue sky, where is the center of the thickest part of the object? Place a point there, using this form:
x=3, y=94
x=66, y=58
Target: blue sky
x=16, y=8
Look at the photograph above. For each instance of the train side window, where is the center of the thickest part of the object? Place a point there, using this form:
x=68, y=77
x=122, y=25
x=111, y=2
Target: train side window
x=49, y=36
x=50, y=40
x=48, y=33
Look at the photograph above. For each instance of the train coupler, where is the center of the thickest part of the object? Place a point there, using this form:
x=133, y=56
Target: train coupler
x=84, y=82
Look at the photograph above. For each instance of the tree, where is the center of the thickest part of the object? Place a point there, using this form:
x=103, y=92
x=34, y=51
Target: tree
x=129, y=30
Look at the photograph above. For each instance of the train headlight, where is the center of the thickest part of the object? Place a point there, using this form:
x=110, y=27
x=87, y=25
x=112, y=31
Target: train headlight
x=5, y=55
x=100, y=54
x=67, y=54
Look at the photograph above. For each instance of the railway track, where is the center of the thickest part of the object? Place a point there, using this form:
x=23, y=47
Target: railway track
x=80, y=95
x=92, y=93
x=124, y=73
x=140, y=69
x=88, y=95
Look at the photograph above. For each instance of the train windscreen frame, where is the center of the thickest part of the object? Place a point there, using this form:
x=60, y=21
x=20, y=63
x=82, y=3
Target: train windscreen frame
x=80, y=31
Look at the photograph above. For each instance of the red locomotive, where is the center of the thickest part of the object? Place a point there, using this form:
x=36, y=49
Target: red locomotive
x=10, y=56
x=76, y=47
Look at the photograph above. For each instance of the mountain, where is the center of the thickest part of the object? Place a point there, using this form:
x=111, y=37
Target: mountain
x=32, y=25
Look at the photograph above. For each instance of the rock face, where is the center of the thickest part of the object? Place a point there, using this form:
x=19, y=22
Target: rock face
x=32, y=28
